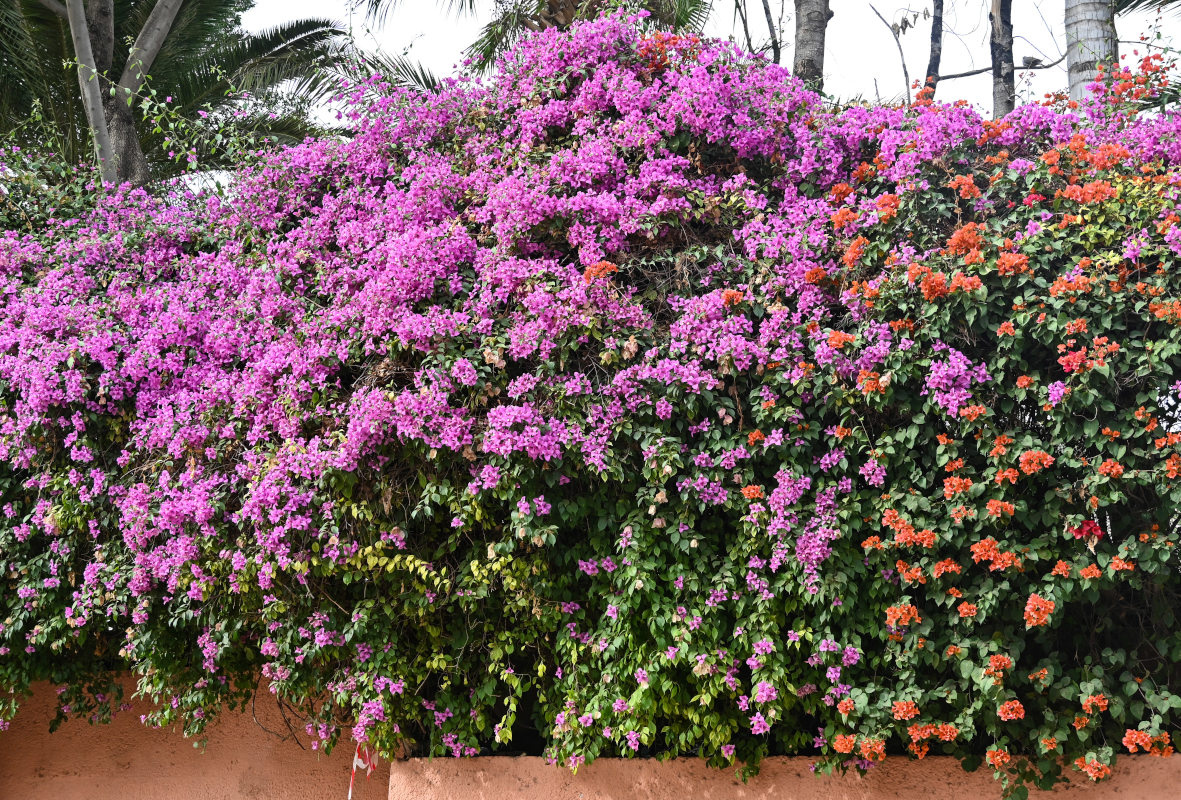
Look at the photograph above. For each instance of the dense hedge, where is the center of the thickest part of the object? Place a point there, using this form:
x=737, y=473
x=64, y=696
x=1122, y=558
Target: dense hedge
x=632, y=399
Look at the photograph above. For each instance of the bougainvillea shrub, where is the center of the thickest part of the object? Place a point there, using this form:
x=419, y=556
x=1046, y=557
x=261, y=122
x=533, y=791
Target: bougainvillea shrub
x=630, y=402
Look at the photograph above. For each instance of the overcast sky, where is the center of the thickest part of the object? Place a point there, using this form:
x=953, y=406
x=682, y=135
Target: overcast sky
x=861, y=59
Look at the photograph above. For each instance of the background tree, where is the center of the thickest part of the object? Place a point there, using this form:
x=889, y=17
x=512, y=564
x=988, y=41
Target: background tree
x=195, y=51
x=812, y=18
x=1090, y=40
x=1004, y=87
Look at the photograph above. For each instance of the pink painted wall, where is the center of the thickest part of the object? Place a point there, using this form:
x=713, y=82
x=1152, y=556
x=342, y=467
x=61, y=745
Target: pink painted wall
x=126, y=761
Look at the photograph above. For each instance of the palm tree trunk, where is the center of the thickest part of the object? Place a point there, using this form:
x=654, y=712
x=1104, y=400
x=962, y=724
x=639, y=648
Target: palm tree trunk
x=1004, y=86
x=88, y=79
x=1090, y=41
x=812, y=18
x=936, y=52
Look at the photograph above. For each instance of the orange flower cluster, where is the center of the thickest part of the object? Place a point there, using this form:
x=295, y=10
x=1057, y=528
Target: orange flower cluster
x=1006, y=329
x=966, y=240
x=1011, y=710
x=1009, y=475
x=845, y=706
x=752, y=492
x=1081, y=722
x=732, y=297
x=900, y=616
x=996, y=668
x=967, y=610
x=1090, y=572
x=998, y=759
x=972, y=413
x=1061, y=569
x=843, y=217
x=754, y=437
x=1118, y=565
x=1093, y=702
x=1000, y=446
x=954, y=485
x=1153, y=745
x=838, y=339
x=1012, y=264
x=1040, y=675
x=1062, y=285
x=1038, y=610
x=1093, y=769
x=905, y=709
x=945, y=566
x=1093, y=192
x=855, y=251
x=989, y=550
x=1111, y=468
x=870, y=382
x=888, y=207
x=599, y=269
x=844, y=743
x=998, y=507
x=908, y=573
x=873, y=749
x=1049, y=744
x=1032, y=461
x=904, y=532
x=953, y=650
x=965, y=185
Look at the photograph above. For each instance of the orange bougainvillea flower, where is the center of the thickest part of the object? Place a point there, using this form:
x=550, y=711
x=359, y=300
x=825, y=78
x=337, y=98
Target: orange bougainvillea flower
x=965, y=239
x=898, y=616
x=1011, y=710
x=1033, y=461
x=1006, y=329
x=599, y=269
x=1024, y=382
x=1094, y=770
x=998, y=758
x=873, y=749
x=954, y=485
x=1012, y=264
x=1095, y=702
x=1009, y=475
x=953, y=650
x=754, y=437
x=1038, y=611
x=845, y=706
x=1061, y=570
x=1111, y=468
x=732, y=297
x=905, y=709
x=752, y=492
x=844, y=743
x=997, y=508
x=1090, y=572
x=945, y=566
x=965, y=186
x=967, y=610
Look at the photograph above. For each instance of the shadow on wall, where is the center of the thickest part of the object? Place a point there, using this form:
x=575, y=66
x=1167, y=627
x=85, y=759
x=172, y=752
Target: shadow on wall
x=127, y=761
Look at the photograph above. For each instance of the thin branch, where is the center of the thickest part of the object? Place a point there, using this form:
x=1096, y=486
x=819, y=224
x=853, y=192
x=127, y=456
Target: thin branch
x=982, y=70
x=88, y=82
x=771, y=29
x=740, y=9
x=901, y=55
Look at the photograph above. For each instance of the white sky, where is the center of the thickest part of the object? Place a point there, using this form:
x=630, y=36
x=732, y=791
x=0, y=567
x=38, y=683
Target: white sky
x=861, y=56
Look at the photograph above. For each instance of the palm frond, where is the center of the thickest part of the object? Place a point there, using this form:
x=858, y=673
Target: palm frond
x=1127, y=6
x=379, y=10
x=398, y=71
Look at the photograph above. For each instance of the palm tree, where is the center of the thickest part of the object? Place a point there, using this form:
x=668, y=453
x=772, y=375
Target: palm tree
x=195, y=53
x=513, y=19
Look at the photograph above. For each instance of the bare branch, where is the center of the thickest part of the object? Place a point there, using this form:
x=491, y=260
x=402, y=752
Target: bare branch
x=771, y=30
x=147, y=44
x=901, y=55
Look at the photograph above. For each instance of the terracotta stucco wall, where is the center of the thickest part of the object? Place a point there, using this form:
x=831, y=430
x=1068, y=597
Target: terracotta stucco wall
x=126, y=761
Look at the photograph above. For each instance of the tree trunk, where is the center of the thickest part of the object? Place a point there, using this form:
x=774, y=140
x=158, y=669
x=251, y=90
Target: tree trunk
x=131, y=163
x=88, y=83
x=812, y=18
x=936, y=56
x=1090, y=41
x=1004, y=86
